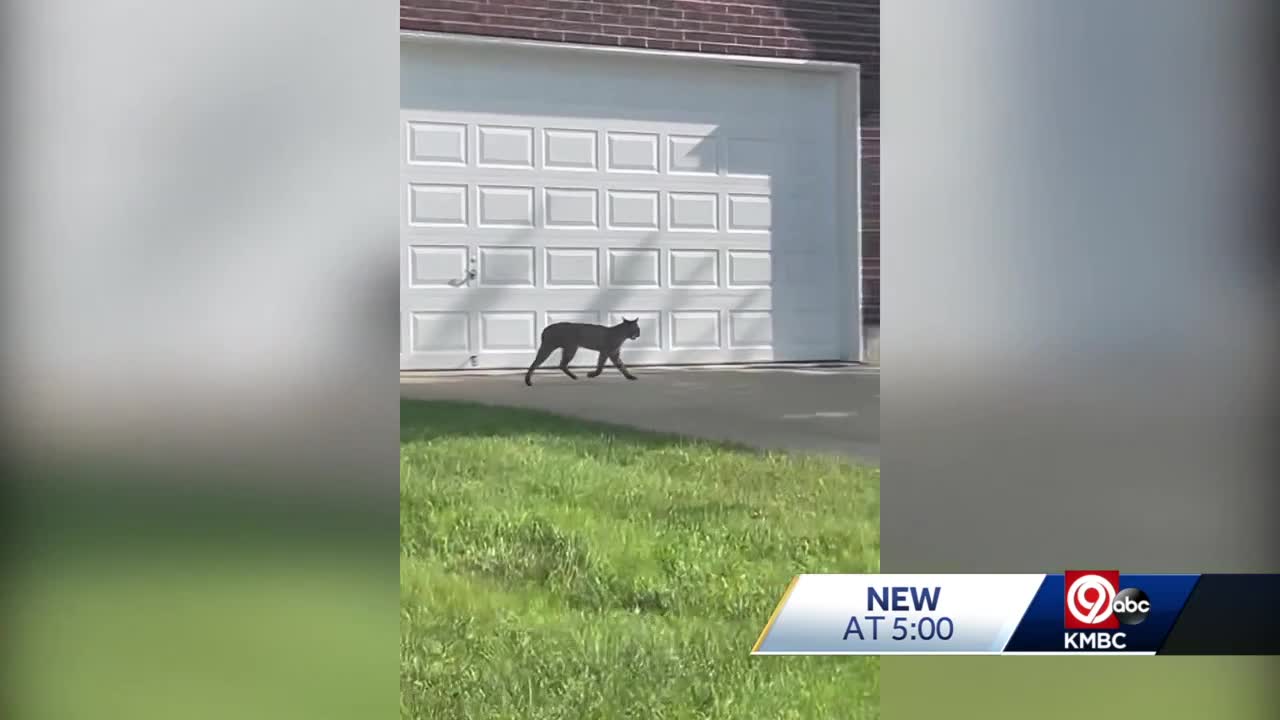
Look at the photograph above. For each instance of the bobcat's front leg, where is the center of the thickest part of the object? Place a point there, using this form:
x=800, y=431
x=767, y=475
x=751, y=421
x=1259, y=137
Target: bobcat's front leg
x=599, y=365
x=617, y=362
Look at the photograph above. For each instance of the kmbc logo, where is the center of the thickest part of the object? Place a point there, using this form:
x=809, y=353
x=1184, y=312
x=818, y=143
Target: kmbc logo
x=1094, y=601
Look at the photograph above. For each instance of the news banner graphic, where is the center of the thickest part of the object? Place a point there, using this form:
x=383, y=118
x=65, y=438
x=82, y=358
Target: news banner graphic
x=1098, y=612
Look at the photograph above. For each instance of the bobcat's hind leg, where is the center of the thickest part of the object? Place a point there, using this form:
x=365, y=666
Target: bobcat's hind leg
x=544, y=352
x=566, y=355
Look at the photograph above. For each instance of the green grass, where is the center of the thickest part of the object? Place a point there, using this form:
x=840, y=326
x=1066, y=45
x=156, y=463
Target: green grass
x=557, y=569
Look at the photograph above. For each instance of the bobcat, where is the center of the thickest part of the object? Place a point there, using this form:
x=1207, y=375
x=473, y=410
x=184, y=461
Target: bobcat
x=571, y=336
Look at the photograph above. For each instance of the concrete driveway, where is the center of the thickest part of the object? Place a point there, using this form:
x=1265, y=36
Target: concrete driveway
x=829, y=410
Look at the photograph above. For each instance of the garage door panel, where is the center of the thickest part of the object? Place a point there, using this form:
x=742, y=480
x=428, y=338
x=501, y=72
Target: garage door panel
x=439, y=331
x=713, y=222
x=571, y=267
x=504, y=206
x=569, y=149
x=437, y=143
x=695, y=330
x=632, y=210
x=508, y=331
x=750, y=329
x=631, y=152
x=749, y=268
x=693, y=154
x=693, y=212
x=504, y=146
x=438, y=205
x=634, y=267
x=437, y=266
x=507, y=267
x=571, y=208
x=697, y=268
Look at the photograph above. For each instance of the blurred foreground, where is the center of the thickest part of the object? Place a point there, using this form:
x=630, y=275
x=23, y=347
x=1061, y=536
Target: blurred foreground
x=198, y=348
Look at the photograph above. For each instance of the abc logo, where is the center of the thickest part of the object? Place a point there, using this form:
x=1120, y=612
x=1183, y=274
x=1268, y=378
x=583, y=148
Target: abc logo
x=1094, y=601
x=1131, y=606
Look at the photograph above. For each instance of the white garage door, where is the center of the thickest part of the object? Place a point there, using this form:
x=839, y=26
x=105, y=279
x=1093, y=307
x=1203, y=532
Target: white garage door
x=538, y=187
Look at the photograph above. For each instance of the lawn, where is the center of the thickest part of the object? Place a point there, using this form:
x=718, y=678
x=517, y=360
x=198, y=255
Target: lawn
x=556, y=569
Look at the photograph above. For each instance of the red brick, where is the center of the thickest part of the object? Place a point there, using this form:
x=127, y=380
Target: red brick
x=665, y=34
x=721, y=38
x=703, y=16
x=453, y=16
x=568, y=5
x=508, y=31
x=580, y=16
x=446, y=5
x=757, y=51
x=656, y=22
x=578, y=27
x=533, y=12
x=637, y=10
x=590, y=38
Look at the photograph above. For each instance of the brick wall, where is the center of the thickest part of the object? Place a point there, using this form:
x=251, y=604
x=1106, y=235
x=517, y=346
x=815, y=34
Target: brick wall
x=843, y=30
x=871, y=216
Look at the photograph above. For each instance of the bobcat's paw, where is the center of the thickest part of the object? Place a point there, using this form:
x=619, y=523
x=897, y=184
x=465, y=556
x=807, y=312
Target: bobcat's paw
x=631, y=377
x=528, y=381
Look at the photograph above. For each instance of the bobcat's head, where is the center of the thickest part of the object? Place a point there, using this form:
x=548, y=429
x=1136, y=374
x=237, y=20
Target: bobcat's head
x=632, y=328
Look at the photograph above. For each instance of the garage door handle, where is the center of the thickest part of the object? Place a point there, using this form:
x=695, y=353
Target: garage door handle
x=471, y=275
